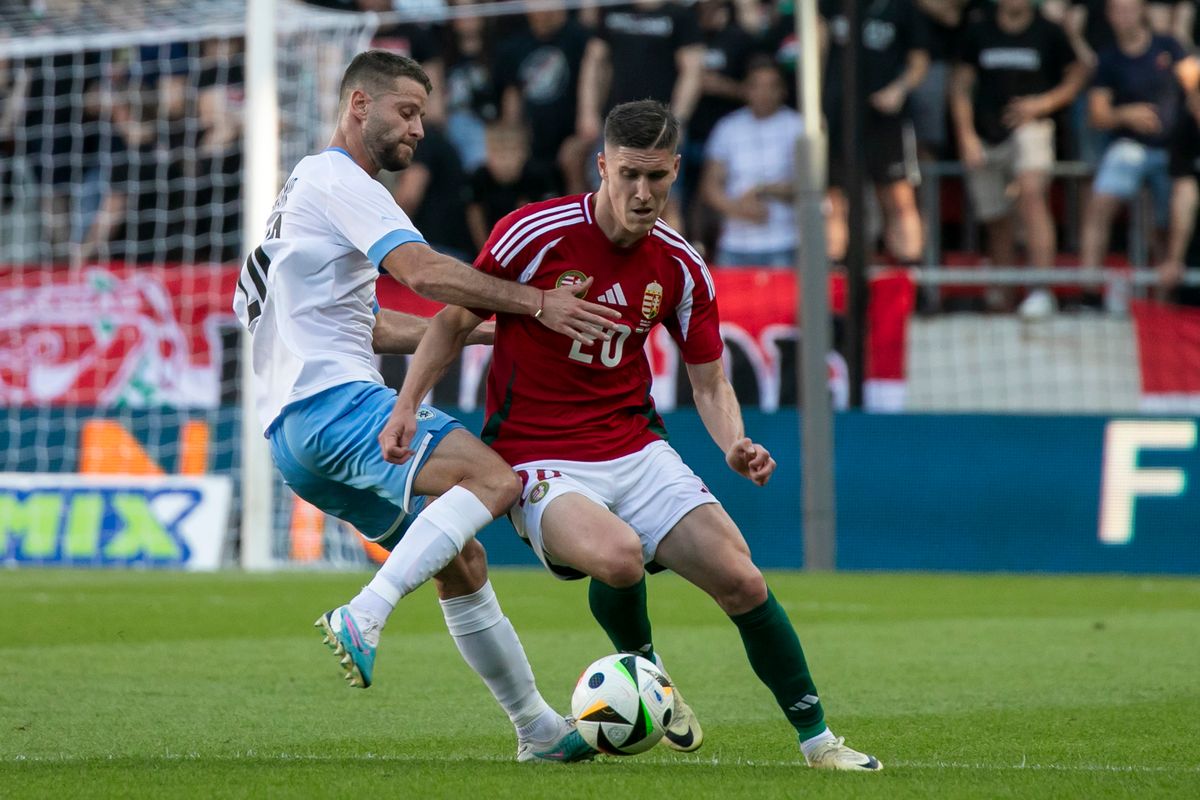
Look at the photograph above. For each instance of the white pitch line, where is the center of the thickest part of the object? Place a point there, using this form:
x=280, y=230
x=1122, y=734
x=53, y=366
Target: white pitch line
x=251, y=755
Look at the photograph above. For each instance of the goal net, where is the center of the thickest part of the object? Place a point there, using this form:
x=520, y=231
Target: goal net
x=121, y=190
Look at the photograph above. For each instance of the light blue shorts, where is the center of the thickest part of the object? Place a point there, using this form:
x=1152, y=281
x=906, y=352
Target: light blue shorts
x=1127, y=165
x=327, y=448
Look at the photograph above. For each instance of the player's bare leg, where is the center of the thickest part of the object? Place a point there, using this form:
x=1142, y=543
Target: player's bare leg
x=587, y=536
x=583, y=534
x=707, y=549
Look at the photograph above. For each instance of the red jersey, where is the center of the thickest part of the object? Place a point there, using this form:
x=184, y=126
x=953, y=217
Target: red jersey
x=551, y=397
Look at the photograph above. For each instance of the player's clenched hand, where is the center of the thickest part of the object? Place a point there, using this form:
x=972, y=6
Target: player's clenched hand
x=398, y=434
x=751, y=461
x=564, y=311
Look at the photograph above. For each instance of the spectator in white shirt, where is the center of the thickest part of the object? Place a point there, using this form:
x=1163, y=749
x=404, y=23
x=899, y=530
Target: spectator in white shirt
x=748, y=174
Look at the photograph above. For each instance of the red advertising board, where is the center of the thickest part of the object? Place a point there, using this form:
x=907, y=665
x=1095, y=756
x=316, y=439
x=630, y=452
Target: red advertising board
x=113, y=335
x=150, y=336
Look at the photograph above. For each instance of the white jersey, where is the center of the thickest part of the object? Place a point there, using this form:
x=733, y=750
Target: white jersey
x=307, y=293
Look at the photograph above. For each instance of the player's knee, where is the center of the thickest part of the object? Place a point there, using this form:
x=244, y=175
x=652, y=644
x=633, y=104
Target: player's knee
x=497, y=489
x=509, y=489
x=744, y=590
x=621, y=567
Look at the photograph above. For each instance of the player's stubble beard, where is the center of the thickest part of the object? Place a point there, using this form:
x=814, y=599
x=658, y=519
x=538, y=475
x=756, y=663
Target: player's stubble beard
x=386, y=147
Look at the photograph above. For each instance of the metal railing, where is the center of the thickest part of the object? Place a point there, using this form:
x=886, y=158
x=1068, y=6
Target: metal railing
x=1074, y=173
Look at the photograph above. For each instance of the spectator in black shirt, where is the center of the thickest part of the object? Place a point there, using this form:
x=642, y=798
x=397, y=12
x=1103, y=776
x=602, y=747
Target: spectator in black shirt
x=62, y=136
x=1088, y=21
x=944, y=21
x=471, y=101
x=537, y=79
x=143, y=203
x=217, y=166
x=895, y=59
x=432, y=191
x=1022, y=70
x=505, y=182
x=649, y=49
x=727, y=49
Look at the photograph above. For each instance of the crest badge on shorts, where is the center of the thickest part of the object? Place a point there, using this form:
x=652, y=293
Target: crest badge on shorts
x=652, y=300
x=424, y=413
x=539, y=491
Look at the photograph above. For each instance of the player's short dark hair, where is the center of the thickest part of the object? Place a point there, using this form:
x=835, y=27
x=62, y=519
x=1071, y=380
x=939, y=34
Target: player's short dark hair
x=642, y=125
x=375, y=71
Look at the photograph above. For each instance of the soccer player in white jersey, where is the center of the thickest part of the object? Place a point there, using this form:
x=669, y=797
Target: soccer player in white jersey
x=604, y=494
x=307, y=296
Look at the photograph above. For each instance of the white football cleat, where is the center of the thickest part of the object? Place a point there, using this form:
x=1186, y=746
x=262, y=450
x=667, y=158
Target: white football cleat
x=566, y=747
x=684, y=733
x=835, y=754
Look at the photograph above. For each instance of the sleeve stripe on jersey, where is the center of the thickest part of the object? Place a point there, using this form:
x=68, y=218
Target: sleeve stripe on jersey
x=575, y=220
x=515, y=231
x=262, y=259
x=253, y=267
x=389, y=242
x=241, y=287
x=684, y=309
x=665, y=233
x=503, y=249
x=532, y=269
x=253, y=307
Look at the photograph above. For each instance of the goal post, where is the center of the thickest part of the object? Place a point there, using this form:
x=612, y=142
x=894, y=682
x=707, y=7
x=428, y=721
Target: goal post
x=261, y=184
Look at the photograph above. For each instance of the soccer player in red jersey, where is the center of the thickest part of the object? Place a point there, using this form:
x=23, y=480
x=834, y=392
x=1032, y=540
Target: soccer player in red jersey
x=604, y=494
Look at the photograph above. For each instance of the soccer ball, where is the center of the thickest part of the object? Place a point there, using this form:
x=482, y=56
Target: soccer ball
x=623, y=704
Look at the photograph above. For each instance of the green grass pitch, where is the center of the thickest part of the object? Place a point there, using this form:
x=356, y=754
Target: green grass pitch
x=161, y=685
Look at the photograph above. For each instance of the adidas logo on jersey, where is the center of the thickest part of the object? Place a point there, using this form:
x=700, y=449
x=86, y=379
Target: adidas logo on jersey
x=614, y=296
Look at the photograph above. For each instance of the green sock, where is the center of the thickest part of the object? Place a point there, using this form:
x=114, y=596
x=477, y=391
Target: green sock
x=778, y=660
x=623, y=616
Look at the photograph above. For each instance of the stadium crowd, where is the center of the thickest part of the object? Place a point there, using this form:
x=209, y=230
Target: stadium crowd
x=1000, y=92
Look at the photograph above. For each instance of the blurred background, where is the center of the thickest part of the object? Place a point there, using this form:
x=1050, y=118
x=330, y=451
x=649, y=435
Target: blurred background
x=1009, y=212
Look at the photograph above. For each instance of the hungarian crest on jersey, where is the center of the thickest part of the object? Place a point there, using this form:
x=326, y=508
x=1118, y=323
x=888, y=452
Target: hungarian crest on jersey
x=571, y=277
x=652, y=300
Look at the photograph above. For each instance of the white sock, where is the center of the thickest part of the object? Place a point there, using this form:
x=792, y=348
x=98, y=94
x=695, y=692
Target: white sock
x=490, y=646
x=368, y=603
x=435, y=537
x=809, y=745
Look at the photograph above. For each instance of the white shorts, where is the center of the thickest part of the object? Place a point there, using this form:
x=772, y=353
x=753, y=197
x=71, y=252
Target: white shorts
x=1030, y=148
x=651, y=490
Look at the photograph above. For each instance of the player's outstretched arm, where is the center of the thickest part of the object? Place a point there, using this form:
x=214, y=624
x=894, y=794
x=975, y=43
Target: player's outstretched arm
x=447, y=280
x=718, y=407
x=442, y=342
x=397, y=333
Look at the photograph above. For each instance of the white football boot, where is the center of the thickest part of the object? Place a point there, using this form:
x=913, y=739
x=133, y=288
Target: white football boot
x=684, y=733
x=834, y=754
